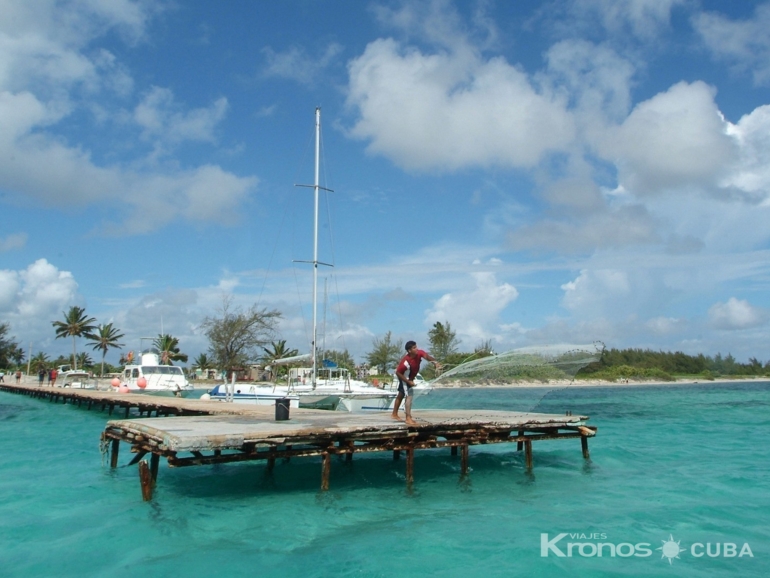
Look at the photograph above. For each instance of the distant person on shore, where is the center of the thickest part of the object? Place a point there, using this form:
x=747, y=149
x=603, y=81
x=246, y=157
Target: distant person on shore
x=40, y=377
x=18, y=376
x=50, y=371
x=2, y=375
x=53, y=375
x=406, y=371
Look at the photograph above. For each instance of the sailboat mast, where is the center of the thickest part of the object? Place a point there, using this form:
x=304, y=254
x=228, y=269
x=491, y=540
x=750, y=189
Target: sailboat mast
x=315, y=242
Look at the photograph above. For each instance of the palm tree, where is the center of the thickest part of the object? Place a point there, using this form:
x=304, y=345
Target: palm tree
x=278, y=351
x=106, y=336
x=203, y=363
x=18, y=355
x=75, y=324
x=84, y=360
x=168, y=347
x=39, y=361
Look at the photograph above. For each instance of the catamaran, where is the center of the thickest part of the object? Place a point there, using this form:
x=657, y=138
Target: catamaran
x=326, y=387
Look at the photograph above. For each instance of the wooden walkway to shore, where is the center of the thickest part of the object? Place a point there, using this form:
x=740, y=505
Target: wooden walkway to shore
x=210, y=432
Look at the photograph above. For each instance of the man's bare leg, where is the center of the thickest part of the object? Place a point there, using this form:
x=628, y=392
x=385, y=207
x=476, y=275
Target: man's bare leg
x=396, y=405
x=408, y=410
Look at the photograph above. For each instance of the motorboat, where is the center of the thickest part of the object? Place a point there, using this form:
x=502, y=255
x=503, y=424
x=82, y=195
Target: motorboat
x=251, y=393
x=73, y=378
x=151, y=377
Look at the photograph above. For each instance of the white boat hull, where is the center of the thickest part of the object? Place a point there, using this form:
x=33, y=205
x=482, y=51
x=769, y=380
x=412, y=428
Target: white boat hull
x=253, y=395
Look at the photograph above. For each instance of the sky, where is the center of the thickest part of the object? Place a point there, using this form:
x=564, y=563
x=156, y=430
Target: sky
x=563, y=171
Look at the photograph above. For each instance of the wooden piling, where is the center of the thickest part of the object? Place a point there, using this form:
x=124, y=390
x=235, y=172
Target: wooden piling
x=464, y=460
x=114, y=454
x=145, y=478
x=410, y=465
x=454, y=450
x=584, y=446
x=326, y=469
x=528, y=453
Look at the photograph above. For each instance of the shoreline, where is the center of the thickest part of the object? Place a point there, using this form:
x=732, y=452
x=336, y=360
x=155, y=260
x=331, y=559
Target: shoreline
x=598, y=383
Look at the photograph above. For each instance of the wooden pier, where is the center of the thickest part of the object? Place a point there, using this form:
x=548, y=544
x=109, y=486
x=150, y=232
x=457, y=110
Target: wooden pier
x=210, y=432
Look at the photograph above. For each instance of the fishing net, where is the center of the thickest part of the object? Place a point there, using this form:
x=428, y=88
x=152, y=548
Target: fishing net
x=549, y=363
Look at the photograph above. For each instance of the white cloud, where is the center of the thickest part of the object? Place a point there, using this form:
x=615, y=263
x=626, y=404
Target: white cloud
x=452, y=109
x=736, y=314
x=666, y=325
x=162, y=118
x=48, y=70
x=597, y=80
x=32, y=298
x=751, y=174
x=677, y=138
x=13, y=241
x=610, y=229
x=295, y=64
x=744, y=43
x=591, y=289
x=474, y=312
x=643, y=18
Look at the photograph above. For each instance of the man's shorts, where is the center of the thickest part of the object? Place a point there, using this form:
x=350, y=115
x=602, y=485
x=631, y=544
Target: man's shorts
x=405, y=389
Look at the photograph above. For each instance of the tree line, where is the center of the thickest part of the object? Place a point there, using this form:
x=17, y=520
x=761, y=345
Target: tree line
x=238, y=337
x=646, y=363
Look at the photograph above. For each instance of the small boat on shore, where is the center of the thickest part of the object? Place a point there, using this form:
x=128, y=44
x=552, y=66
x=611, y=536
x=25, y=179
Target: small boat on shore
x=73, y=378
x=150, y=377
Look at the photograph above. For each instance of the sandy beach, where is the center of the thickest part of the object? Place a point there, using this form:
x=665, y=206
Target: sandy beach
x=596, y=383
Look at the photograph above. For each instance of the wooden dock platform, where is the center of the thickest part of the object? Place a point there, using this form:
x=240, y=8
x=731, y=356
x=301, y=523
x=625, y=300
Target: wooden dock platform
x=200, y=440
x=211, y=432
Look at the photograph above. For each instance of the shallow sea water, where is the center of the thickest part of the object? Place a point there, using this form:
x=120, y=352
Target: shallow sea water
x=689, y=463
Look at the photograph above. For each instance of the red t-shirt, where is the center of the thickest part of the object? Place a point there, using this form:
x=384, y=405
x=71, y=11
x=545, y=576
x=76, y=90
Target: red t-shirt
x=409, y=366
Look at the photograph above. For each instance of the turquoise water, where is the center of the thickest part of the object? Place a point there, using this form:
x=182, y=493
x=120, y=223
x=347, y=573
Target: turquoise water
x=688, y=462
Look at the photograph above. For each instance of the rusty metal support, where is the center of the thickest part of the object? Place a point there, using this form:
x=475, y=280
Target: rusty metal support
x=326, y=470
x=114, y=453
x=410, y=466
x=528, y=453
x=145, y=479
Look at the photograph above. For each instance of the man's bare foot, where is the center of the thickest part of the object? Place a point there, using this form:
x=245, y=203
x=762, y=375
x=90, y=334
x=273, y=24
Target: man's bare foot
x=395, y=416
x=410, y=421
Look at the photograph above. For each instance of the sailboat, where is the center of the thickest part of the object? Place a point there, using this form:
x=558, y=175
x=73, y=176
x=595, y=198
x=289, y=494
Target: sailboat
x=326, y=387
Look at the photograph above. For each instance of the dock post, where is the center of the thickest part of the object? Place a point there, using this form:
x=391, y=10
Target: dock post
x=114, y=453
x=464, y=459
x=154, y=460
x=520, y=445
x=528, y=453
x=584, y=446
x=396, y=454
x=270, y=464
x=410, y=466
x=454, y=450
x=145, y=479
x=326, y=470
